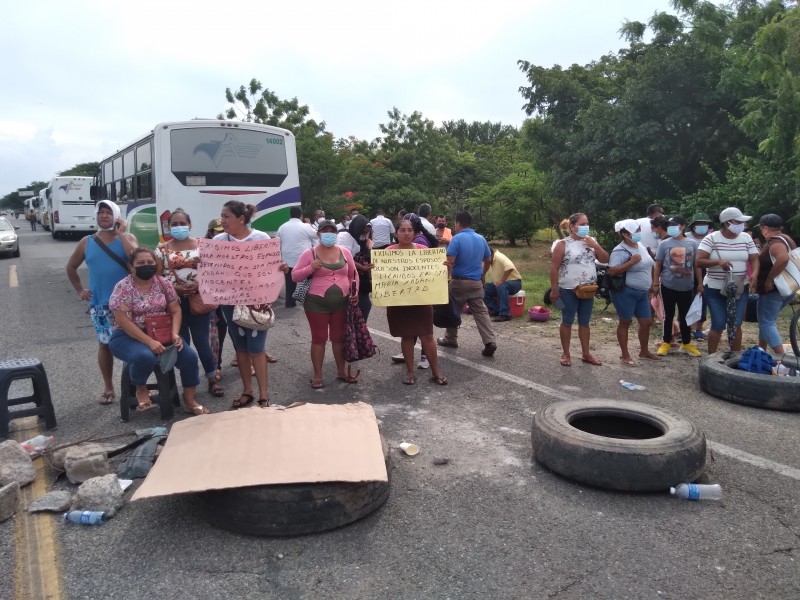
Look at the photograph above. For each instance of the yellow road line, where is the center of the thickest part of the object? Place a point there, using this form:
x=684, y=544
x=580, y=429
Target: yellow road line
x=12, y=277
x=37, y=568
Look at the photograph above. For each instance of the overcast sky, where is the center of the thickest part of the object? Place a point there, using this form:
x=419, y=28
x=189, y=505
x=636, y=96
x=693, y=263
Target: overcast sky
x=84, y=77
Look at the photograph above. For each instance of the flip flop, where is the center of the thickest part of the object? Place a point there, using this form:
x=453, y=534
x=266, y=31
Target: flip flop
x=106, y=398
x=348, y=378
x=592, y=361
x=271, y=359
x=439, y=380
x=565, y=361
x=627, y=361
x=196, y=410
x=409, y=380
x=317, y=384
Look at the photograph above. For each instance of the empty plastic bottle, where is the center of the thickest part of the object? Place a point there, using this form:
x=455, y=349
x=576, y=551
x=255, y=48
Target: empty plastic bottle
x=697, y=491
x=85, y=517
x=40, y=442
x=631, y=386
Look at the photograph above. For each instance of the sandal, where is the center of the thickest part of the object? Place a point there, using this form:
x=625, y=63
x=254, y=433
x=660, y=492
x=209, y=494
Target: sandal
x=348, y=378
x=242, y=401
x=215, y=389
x=271, y=359
x=591, y=360
x=234, y=363
x=106, y=398
x=263, y=402
x=197, y=409
x=218, y=375
x=439, y=380
x=317, y=384
x=565, y=360
x=627, y=361
x=409, y=380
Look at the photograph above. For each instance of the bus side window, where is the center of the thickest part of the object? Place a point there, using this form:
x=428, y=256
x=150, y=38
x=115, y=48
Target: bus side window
x=143, y=185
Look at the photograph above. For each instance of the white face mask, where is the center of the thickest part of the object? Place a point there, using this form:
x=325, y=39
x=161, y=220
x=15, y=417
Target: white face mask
x=736, y=228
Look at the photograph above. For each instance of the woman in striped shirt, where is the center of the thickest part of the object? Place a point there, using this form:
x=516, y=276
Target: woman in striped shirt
x=727, y=250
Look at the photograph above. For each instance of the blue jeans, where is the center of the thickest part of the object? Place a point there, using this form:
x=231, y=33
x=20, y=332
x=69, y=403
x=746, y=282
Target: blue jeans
x=141, y=360
x=571, y=304
x=194, y=330
x=495, y=297
x=769, y=306
x=717, y=306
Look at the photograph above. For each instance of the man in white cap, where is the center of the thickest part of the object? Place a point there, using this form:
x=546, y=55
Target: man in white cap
x=106, y=255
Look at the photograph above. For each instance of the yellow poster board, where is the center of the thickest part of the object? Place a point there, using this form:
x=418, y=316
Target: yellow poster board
x=409, y=277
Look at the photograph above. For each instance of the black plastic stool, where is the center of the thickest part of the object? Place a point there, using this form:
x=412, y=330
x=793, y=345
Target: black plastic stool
x=25, y=368
x=167, y=393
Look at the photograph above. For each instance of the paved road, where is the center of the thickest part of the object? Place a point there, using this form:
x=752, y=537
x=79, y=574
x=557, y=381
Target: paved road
x=491, y=523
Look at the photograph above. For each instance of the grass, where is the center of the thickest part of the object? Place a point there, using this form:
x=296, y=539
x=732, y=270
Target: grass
x=533, y=263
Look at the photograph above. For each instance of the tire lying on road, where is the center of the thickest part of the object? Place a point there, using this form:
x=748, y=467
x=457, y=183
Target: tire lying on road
x=618, y=444
x=294, y=509
x=719, y=377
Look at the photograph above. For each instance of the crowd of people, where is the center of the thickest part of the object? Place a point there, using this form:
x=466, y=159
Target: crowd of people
x=657, y=268
x=662, y=264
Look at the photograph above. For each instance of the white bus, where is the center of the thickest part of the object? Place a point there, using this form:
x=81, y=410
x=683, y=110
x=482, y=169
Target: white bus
x=198, y=166
x=69, y=205
x=40, y=208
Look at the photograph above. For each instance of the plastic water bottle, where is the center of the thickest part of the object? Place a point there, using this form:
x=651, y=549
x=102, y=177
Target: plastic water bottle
x=697, y=491
x=631, y=386
x=85, y=517
x=40, y=442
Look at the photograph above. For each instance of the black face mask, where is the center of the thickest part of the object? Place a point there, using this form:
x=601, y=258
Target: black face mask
x=145, y=272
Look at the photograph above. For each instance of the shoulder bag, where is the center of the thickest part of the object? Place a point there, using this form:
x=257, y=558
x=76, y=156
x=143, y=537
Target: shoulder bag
x=159, y=325
x=101, y=244
x=301, y=290
x=358, y=343
x=196, y=304
x=258, y=317
x=615, y=283
x=788, y=282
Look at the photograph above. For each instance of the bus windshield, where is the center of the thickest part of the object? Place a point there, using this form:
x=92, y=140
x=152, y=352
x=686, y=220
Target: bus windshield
x=217, y=157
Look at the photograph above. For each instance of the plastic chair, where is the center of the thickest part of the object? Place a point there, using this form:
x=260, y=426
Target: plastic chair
x=25, y=368
x=167, y=397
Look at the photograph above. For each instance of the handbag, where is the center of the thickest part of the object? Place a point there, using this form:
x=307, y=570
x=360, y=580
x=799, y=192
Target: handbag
x=159, y=326
x=447, y=315
x=301, y=290
x=788, y=282
x=258, y=317
x=586, y=291
x=734, y=284
x=196, y=304
x=614, y=283
x=358, y=343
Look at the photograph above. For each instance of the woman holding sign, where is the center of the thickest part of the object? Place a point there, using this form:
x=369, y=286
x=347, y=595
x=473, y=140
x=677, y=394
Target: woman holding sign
x=332, y=270
x=250, y=345
x=412, y=322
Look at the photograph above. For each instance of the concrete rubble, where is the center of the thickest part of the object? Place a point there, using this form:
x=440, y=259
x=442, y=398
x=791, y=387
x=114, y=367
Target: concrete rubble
x=15, y=464
x=56, y=501
x=85, y=461
x=9, y=500
x=101, y=494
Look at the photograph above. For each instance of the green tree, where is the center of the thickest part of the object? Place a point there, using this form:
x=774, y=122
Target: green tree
x=87, y=169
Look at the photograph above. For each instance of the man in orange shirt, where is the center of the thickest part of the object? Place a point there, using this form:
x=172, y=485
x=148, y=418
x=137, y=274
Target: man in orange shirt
x=443, y=233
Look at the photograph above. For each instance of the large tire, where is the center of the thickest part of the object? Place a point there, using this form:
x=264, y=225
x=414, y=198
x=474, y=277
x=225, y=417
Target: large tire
x=720, y=377
x=794, y=333
x=295, y=509
x=637, y=447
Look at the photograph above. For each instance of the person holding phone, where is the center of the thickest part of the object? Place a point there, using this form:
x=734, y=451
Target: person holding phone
x=572, y=265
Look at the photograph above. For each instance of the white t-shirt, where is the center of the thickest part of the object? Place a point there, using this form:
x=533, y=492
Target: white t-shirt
x=345, y=240
x=253, y=236
x=296, y=237
x=382, y=230
x=736, y=250
x=648, y=239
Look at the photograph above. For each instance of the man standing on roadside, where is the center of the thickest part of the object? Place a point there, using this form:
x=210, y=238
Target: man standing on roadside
x=319, y=216
x=648, y=238
x=443, y=233
x=465, y=257
x=382, y=231
x=106, y=255
x=296, y=237
x=423, y=213
x=503, y=280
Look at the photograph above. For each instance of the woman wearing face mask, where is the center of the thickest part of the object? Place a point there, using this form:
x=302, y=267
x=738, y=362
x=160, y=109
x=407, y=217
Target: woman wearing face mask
x=698, y=228
x=674, y=278
x=573, y=264
x=179, y=257
x=721, y=252
x=358, y=239
x=141, y=294
x=631, y=257
x=332, y=272
x=773, y=258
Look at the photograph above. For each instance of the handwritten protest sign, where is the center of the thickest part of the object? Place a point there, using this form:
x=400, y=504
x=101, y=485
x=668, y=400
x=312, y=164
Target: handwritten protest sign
x=239, y=273
x=409, y=277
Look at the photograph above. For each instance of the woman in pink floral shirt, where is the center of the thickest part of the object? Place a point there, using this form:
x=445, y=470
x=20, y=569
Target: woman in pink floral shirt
x=139, y=295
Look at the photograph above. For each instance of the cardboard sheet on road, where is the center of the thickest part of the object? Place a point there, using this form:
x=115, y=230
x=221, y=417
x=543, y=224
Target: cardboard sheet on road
x=263, y=446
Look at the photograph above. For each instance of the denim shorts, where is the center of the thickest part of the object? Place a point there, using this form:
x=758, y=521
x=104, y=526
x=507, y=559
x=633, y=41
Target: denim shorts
x=244, y=339
x=631, y=302
x=572, y=305
x=717, y=306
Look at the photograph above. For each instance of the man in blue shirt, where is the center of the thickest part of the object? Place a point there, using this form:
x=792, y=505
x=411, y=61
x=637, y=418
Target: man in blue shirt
x=466, y=255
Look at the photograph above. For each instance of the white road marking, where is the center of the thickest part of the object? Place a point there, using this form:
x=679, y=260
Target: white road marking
x=746, y=457
x=12, y=277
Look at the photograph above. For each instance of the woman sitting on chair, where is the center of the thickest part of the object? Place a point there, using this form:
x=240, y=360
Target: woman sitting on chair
x=141, y=294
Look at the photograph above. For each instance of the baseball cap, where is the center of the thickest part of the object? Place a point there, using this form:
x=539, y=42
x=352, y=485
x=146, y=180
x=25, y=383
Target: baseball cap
x=732, y=214
x=676, y=220
x=771, y=220
x=326, y=224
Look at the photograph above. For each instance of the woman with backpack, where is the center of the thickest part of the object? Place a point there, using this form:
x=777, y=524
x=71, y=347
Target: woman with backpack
x=772, y=259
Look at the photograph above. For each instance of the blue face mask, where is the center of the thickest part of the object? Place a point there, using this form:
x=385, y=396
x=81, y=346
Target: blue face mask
x=636, y=238
x=673, y=231
x=327, y=239
x=179, y=232
x=583, y=230
x=701, y=229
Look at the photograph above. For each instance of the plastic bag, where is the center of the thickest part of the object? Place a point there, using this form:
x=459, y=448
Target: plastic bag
x=695, y=310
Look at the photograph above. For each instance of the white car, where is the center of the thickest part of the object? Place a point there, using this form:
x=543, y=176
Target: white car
x=9, y=240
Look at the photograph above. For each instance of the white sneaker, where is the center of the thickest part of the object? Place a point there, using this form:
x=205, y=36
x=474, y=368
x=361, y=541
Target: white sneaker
x=423, y=362
x=398, y=358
